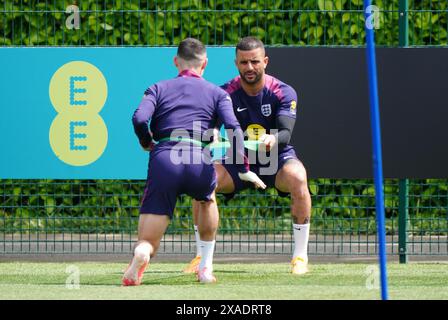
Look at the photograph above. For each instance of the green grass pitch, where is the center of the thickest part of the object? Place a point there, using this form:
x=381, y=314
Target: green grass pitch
x=235, y=281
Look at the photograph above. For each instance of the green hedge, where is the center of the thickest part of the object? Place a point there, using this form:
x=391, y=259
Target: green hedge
x=111, y=206
x=216, y=22
x=107, y=206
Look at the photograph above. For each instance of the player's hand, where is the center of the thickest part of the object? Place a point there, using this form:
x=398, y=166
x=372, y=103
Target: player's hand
x=252, y=177
x=148, y=147
x=268, y=141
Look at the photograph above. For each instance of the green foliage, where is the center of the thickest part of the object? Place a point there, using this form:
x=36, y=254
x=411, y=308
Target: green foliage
x=339, y=206
x=217, y=22
x=109, y=206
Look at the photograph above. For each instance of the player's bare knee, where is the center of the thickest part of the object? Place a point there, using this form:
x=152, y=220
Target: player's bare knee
x=298, y=185
x=294, y=173
x=300, y=191
x=298, y=173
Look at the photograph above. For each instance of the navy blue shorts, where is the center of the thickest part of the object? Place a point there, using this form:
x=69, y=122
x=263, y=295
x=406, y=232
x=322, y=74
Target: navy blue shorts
x=268, y=179
x=167, y=180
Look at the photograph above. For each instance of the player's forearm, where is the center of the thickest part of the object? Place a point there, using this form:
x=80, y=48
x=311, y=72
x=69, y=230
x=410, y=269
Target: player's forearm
x=285, y=125
x=234, y=133
x=140, y=122
x=283, y=137
x=142, y=131
x=236, y=151
x=241, y=160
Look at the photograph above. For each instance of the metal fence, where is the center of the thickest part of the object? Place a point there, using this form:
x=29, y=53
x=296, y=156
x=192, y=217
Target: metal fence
x=219, y=22
x=101, y=217
x=54, y=216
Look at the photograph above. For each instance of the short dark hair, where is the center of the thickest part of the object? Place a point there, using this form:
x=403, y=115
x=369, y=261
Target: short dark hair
x=191, y=49
x=249, y=43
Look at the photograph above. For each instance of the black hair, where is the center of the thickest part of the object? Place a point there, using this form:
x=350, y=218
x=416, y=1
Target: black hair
x=190, y=49
x=249, y=43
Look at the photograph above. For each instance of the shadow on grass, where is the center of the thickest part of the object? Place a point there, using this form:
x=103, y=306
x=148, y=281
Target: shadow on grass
x=149, y=271
x=231, y=272
x=176, y=280
x=113, y=279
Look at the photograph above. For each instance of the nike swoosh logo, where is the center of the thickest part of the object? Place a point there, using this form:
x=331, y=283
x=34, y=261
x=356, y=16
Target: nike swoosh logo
x=239, y=110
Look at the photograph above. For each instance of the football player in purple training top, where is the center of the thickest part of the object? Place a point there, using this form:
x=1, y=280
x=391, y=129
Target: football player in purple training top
x=186, y=107
x=266, y=110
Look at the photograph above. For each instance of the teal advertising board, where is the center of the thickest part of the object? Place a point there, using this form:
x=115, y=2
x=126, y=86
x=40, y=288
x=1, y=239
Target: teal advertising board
x=65, y=113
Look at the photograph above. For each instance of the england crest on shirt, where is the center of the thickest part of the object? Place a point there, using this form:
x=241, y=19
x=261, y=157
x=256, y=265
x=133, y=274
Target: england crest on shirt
x=266, y=110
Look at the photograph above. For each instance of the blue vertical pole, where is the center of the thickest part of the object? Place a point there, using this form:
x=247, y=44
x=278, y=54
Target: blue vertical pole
x=376, y=145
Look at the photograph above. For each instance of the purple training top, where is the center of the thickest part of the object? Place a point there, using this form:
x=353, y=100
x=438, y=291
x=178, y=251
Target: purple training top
x=257, y=115
x=179, y=103
x=260, y=112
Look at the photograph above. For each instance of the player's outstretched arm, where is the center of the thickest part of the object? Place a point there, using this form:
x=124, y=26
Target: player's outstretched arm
x=227, y=116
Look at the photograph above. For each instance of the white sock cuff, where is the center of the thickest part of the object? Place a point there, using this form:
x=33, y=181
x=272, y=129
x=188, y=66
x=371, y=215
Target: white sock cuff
x=300, y=226
x=301, y=235
x=143, y=250
x=207, y=243
x=208, y=248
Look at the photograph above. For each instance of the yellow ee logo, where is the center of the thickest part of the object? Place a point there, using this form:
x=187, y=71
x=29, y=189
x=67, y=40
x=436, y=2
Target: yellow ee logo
x=255, y=131
x=78, y=92
x=293, y=107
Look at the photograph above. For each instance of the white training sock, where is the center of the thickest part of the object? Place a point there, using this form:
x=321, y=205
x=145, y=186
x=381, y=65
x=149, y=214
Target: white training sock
x=141, y=255
x=198, y=245
x=301, y=236
x=208, y=248
x=142, y=252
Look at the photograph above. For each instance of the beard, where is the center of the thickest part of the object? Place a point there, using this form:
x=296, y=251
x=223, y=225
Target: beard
x=256, y=79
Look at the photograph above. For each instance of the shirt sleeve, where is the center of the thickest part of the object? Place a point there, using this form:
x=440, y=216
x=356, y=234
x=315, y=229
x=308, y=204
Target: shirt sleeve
x=143, y=114
x=288, y=103
x=285, y=126
x=227, y=116
x=219, y=120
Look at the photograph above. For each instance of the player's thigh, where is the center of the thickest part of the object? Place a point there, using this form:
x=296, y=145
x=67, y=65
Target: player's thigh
x=291, y=175
x=225, y=181
x=152, y=227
